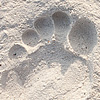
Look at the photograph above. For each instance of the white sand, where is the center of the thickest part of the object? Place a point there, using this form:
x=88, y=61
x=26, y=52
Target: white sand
x=49, y=50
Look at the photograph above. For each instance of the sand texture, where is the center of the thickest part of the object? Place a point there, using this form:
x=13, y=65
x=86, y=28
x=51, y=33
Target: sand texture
x=49, y=50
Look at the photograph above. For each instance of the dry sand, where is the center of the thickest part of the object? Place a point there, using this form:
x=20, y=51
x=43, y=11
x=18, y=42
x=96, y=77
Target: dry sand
x=49, y=50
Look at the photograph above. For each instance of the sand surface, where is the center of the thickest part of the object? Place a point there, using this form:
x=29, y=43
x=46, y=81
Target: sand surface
x=49, y=50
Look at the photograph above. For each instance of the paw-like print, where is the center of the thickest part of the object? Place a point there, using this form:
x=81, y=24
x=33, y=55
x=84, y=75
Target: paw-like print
x=53, y=31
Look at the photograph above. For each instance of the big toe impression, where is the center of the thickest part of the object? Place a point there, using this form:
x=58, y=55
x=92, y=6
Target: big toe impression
x=83, y=36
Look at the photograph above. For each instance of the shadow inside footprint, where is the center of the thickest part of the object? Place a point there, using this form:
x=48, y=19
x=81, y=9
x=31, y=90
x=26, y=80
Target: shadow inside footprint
x=55, y=52
x=23, y=70
x=51, y=53
x=18, y=74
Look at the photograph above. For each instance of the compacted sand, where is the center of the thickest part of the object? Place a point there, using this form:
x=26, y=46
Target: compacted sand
x=49, y=50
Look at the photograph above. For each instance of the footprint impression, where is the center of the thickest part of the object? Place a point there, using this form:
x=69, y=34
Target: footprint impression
x=82, y=39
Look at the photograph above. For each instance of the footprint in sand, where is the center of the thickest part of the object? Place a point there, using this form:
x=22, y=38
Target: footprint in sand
x=81, y=37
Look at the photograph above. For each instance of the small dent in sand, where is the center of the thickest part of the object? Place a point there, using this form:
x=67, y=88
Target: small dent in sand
x=30, y=37
x=17, y=51
x=62, y=23
x=44, y=27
